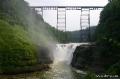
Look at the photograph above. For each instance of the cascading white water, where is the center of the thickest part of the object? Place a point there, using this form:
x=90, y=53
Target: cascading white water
x=64, y=52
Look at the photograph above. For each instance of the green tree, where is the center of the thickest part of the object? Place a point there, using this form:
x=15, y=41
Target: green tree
x=108, y=37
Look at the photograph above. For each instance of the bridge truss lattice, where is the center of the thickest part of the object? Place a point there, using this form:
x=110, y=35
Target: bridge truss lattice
x=61, y=16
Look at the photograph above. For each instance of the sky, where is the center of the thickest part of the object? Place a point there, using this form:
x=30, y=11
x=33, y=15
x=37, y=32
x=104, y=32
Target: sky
x=73, y=17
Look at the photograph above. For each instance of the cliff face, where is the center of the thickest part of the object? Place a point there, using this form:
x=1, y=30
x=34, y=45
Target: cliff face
x=84, y=58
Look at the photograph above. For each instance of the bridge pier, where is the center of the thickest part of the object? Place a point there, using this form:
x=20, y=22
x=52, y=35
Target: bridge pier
x=85, y=24
x=61, y=19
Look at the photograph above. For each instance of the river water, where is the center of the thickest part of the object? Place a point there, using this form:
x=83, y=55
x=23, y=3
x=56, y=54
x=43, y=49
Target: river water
x=60, y=69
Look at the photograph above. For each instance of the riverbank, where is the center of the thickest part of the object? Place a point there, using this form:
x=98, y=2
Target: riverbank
x=57, y=71
x=28, y=69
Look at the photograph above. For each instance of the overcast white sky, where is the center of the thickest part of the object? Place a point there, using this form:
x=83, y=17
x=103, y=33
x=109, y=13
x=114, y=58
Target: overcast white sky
x=73, y=17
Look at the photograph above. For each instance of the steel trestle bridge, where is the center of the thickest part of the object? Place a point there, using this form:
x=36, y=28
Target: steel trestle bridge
x=61, y=15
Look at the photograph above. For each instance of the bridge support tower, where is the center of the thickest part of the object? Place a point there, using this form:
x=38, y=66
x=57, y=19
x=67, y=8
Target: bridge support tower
x=61, y=19
x=85, y=25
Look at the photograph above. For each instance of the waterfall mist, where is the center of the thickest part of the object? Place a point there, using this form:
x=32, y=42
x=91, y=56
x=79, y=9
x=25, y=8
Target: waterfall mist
x=64, y=53
x=40, y=36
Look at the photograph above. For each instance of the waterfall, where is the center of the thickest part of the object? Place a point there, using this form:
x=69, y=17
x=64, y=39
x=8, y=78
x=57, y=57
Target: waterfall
x=64, y=53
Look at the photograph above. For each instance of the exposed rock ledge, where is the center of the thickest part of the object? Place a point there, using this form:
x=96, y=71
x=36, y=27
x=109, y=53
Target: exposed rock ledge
x=84, y=59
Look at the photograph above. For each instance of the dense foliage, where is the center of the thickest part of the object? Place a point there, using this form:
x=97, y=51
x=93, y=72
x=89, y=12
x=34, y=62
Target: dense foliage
x=108, y=37
x=16, y=50
x=14, y=11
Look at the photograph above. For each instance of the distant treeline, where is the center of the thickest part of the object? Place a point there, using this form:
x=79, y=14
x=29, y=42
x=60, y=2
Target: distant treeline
x=89, y=35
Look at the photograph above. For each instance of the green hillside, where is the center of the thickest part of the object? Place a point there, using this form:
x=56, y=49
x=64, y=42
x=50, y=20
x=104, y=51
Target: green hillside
x=23, y=36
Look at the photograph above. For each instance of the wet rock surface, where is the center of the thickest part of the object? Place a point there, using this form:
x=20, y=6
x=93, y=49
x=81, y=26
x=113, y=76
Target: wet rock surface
x=83, y=57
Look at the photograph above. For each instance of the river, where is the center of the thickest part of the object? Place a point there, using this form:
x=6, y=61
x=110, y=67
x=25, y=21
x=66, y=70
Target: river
x=60, y=69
